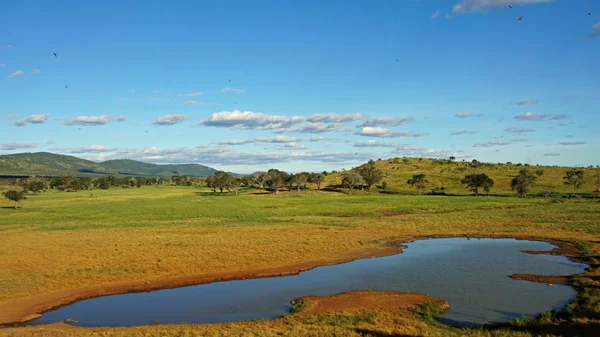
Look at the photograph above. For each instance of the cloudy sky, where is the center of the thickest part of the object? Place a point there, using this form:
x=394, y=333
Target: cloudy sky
x=302, y=85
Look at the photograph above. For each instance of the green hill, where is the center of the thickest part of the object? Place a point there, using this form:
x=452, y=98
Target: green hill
x=50, y=164
x=442, y=173
x=132, y=167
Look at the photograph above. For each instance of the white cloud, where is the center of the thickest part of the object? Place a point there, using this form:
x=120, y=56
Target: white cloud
x=16, y=74
x=471, y=6
x=498, y=142
x=50, y=142
x=294, y=146
x=387, y=121
x=33, y=119
x=316, y=128
x=170, y=119
x=194, y=94
x=233, y=90
x=572, y=143
x=333, y=117
x=463, y=114
x=35, y=71
x=276, y=139
x=435, y=14
x=370, y=131
x=520, y=140
x=532, y=116
x=121, y=118
x=222, y=156
x=375, y=143
x=526, y=101
x=595, y=31
x=519, y=130
x=86, y=120
x=417, y=151
x=551, y=154
x=248, y=120
x=16, y=146
x=463, y=132
x=190, y=102
x=86, y=149
x=482, y=145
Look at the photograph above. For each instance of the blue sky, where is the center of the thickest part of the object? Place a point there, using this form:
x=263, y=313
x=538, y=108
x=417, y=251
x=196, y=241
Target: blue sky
x=302, y=85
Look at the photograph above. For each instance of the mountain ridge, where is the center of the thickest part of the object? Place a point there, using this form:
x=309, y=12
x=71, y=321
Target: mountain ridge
x=53, y=164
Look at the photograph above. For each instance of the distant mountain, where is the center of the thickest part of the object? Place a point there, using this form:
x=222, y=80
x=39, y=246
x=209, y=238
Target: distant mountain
x=51, y=164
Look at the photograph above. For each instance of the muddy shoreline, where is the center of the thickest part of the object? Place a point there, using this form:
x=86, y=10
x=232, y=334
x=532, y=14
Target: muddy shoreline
x=20, y=311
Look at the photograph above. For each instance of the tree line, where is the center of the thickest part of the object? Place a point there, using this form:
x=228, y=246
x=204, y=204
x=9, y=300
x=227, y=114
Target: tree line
x=362, y=177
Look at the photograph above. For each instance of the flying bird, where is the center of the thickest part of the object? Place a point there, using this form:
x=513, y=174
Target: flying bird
x=78, y=128
x=66, y=86
x=589, y=13
x=230, y=80
x=146, y=131
x=509, y=6
x=55, y=55
x=519, y=19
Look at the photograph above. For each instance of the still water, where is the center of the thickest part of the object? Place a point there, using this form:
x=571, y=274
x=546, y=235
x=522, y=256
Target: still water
x=471, y=274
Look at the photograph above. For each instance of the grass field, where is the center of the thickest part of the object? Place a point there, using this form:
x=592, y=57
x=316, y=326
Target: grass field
x=59, y=241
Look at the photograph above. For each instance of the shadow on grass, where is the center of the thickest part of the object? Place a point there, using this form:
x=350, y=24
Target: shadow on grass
x=375, y=333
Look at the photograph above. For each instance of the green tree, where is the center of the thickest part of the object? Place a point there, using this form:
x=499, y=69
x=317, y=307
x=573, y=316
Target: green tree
x=317, y=179
x=523, y=182
x=418, y=181
x=34, y=186
x=276, y=179
x=222, y=180
x=351, y=180
x=574, y=178
x=299, y=180
x=233, y=184
x=15, y=196
x=210, y=183
x=476, y=181
x=370, y=174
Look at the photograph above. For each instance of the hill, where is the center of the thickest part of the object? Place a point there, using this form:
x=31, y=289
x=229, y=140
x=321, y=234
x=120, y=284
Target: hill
x=443, y=173
x=51, y=164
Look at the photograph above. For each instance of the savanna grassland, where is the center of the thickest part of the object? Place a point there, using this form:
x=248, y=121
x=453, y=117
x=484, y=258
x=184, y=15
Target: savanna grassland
x=86, y=241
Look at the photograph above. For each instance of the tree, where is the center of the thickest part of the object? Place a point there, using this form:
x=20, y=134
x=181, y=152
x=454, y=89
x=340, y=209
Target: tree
x=370, y=174
x=222, y=180
x=34, y=186
x=539, y=173
x=15, y=196
x=210, y=183
x=299, y=179
x=418, y=181
x=317, y=179
x=452, y=158
x=351, y=180
x=234, y=184
x=476, y=181
x=573, y=178
x=522, y=182
x=259, y=179
x=276, y=179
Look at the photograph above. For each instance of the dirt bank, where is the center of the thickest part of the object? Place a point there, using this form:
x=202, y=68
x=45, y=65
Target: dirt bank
x=367, y=300
x=550, y=280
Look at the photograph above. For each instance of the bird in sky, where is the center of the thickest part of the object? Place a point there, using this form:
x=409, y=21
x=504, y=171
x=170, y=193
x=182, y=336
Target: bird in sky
x=55, y=55
x=509, y=6
x=66, y=86
x=520, y=19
